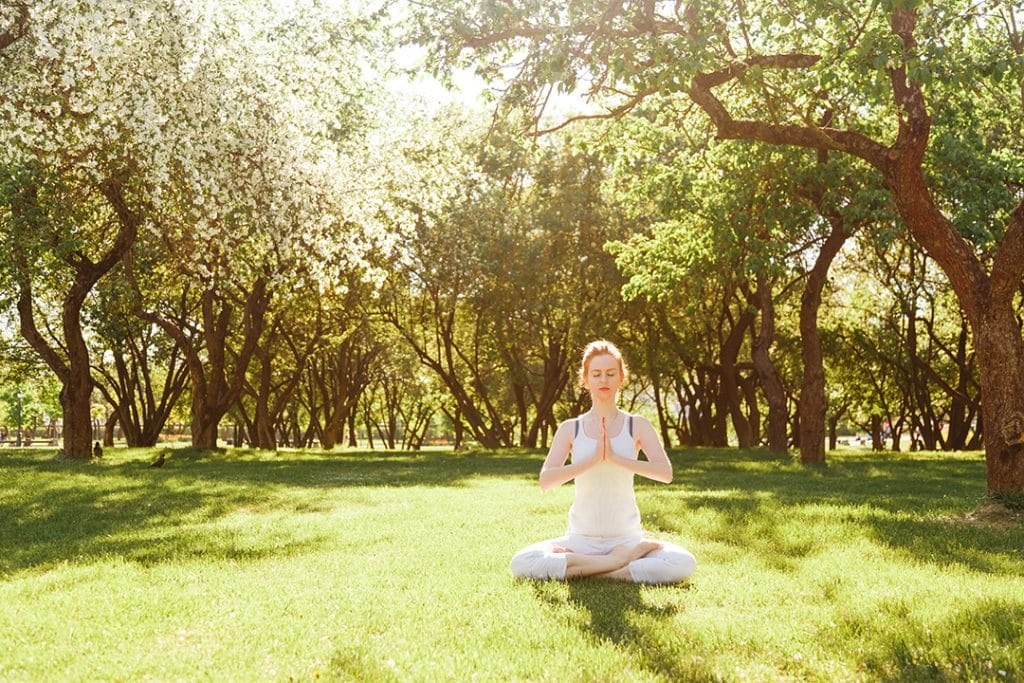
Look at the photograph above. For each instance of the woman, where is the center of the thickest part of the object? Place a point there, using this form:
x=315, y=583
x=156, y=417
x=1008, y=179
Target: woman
x=604, y=536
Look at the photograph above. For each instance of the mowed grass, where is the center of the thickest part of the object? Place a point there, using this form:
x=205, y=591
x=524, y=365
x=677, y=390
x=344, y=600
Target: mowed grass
x=381, y=566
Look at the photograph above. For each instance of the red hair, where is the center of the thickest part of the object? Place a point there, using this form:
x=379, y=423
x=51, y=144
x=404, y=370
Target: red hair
x=601, y=347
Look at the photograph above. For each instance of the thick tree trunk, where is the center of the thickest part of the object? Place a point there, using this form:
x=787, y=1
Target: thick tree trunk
x=813, y=404
x=214, y=389
x=75, y=401
x=1001, y=366
x=877, y=444
x=204, y=428
x=266, y=434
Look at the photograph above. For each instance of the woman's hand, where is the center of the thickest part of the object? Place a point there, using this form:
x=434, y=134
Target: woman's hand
x=604, y=447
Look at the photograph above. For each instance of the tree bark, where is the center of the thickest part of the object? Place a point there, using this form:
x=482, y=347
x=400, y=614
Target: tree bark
x=730, y=381
x=877, y=444
x=812, y=401
x=108, y=429
x=771, y=384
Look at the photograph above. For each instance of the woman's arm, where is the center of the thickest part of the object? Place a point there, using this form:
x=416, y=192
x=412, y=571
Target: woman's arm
x=657, y=466
x=554, y=471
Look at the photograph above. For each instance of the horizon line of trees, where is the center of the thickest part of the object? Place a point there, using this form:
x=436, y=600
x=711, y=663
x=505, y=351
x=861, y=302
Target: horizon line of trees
x=764, y=230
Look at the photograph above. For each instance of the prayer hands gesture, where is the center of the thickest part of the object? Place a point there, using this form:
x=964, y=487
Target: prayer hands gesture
x=604, y=447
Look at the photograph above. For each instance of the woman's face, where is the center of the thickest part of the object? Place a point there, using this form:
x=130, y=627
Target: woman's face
x=603, y=376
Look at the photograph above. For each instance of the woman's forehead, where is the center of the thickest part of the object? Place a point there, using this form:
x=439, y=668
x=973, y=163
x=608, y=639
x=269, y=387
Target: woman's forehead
x=604, y=362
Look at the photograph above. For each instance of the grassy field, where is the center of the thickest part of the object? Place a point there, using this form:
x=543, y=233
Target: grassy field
x=368, y=566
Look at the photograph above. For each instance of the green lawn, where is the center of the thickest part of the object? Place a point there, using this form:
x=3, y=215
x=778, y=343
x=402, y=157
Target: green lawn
x=305, y=565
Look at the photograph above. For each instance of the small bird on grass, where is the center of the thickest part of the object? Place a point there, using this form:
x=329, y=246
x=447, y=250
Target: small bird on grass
x=159, y=462
x=97, y=450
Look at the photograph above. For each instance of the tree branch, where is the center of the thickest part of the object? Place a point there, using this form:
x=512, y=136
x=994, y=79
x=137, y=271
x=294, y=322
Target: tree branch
x=1008, y=264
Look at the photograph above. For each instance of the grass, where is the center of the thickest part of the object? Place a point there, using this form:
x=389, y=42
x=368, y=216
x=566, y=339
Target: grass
x=367, y=566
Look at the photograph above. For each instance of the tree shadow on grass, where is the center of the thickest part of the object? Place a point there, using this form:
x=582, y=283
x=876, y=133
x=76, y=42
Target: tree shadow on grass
x=981, y=641
x=148, y=523
x=618, y=615
x=893, y=482
x=902, y=501
x=308, y=470
x=61, y=511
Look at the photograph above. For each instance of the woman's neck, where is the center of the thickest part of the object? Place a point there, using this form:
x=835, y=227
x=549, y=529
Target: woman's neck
x=605, y=409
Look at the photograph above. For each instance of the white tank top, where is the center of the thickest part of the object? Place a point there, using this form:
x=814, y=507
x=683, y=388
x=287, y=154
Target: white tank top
x=605, y=505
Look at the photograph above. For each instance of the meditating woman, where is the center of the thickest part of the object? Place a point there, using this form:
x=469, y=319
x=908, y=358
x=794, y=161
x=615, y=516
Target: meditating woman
x=604, y=536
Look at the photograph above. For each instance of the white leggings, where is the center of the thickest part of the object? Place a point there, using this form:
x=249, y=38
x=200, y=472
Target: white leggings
x=670, y=564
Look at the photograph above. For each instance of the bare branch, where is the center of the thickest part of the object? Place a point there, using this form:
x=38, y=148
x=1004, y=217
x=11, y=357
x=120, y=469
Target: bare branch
x=614, y=113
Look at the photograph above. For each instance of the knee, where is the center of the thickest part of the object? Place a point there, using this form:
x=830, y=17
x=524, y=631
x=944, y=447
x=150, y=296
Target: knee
x=535, y=563
x=669, y=567
x=523, y=561
x=680, y=566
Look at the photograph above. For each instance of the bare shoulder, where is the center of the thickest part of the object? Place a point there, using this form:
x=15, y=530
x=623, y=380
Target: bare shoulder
x=641, y=422
x=567, y=429
x=643, y=430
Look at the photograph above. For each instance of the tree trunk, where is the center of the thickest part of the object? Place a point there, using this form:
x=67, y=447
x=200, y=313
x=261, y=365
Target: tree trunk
x=352, y=441
x=877, y=444
x=264, y=433
x=1001, y=367
x=729, y=386
x=108, y=429
x=214, y=390
x=962, y=409
x=812, y=403
x=662, y=409
x=774, y=392
x=74, y=373
x=204, y=428
x=76, y=404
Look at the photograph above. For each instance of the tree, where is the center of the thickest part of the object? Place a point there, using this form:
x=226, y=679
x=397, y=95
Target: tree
x=267, y=206
x=496, y=289
x=898, y=80
x=80, y=153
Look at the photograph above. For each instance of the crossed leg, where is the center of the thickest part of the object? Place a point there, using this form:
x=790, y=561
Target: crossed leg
x=609, y=565
x=641, y=562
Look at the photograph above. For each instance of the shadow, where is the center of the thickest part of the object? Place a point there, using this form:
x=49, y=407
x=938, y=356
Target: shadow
x=307, y=469
x=901, y=500
x=120, y=507
x=978, y=642
x=739, y=501
x=616, y=613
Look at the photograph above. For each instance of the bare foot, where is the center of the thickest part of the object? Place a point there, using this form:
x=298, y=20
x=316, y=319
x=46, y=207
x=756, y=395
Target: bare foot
x=561, y=549
x=643, y=548
x=629, y=553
